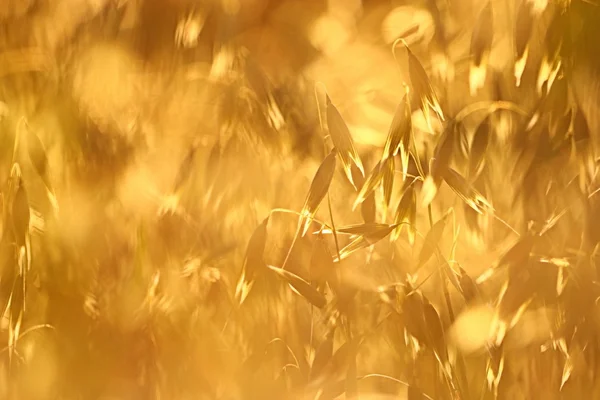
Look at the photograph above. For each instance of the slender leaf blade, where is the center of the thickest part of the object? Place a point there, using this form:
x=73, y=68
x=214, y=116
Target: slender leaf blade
x=253, y=261
x=301, y=287
x=432, y=239
x=400, y=134
x=342, y=141
x=318, y=190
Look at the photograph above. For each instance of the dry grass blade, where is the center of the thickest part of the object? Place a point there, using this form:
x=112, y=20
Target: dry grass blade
x=444, y=148
x=342, y=141
x=560, y=128
x=556, y=33
x=253, y=261
x=512, y=303
x=19, y=207
x=481, y=44
x=514, y=259
x=37, y=153
x=16, y=304
x=468, y=287
x=366, y=239
x=441, y=160
x=301, y=287
x=341, y=356
x=318, y=190
x=20, y=215
x=551, y=60
x=523, y=29
x=322, y=358
x=461, y=146
x=413, y=310
x=185, y=170
x=362, y=229
x=495, y=368
x=388, y=181
x=436, y=333
x=370, y=184
x=406, y=213
x=518, y=255
x=452, y=276
x=567, y=371
x=479, y=147
x=466, y=191
x=213, y=163
x=368, y=207
x=428, y=191
x=557, y=100
x=400, y=134
x=433, y=237
x=581, y=129
x=22, y=263
x=422, y=87
x=39, y=159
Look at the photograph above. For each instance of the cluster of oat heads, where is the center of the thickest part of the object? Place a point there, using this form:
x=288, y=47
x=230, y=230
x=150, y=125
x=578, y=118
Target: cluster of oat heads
x=523, y=301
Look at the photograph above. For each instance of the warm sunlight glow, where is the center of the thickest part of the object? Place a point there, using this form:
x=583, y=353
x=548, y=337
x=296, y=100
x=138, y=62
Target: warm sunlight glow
x=299, y=199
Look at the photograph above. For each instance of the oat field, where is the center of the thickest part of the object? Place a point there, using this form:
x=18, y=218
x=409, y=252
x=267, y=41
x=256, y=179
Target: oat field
x=299, y=199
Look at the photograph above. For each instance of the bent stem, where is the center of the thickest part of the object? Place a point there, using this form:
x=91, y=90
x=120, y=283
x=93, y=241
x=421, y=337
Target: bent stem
x=491, y=107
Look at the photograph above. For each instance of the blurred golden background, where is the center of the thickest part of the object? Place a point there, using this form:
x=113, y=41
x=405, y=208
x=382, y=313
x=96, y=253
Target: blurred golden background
x=299, y=199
